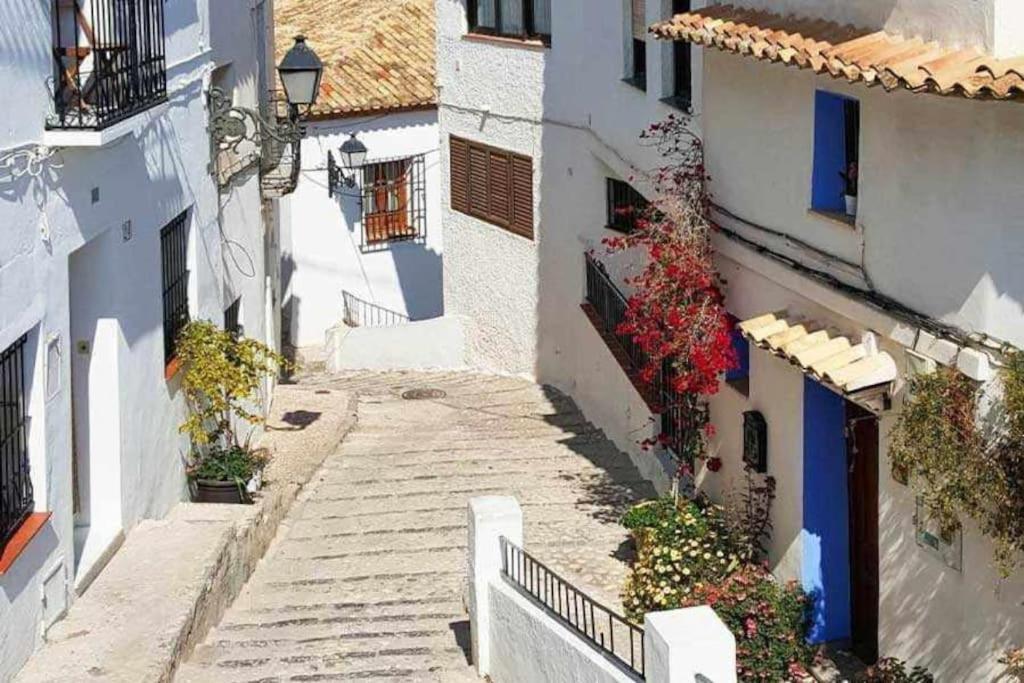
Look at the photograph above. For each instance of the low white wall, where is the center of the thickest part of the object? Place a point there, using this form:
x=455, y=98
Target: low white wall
x=426, y=345
x=515, y=639
x=528, y=645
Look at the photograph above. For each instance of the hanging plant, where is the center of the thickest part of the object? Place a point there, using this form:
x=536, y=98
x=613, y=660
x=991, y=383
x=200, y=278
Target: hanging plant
x=961, y=466
x=676, y=313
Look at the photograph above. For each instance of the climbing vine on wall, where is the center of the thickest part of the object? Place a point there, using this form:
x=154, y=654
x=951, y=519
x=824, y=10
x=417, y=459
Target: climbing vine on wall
x=965, y=466
x=677, y=311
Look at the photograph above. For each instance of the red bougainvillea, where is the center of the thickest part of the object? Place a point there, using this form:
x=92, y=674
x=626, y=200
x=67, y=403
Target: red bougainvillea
x=676, y=313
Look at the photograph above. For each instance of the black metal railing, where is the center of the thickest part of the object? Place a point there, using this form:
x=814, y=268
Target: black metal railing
x=677, y=418
x=174, y=270
x=16, y=496
x=361, y=313
x=109, y=61
x=610, y=304
x=613, y=635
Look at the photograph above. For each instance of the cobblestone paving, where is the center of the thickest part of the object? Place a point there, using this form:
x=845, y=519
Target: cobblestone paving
x=366, y=579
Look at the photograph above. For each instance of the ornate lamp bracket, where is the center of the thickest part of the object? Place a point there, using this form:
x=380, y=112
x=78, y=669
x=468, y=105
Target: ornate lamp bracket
x=230, y=126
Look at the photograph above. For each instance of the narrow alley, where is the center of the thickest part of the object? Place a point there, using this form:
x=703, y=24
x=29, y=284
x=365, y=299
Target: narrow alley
x=366, y=579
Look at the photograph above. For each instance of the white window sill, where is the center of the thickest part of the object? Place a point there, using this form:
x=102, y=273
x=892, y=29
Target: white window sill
x=101, y=138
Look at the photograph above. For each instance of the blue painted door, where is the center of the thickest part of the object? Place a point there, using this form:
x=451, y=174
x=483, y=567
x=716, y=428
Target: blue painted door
x=826, y=528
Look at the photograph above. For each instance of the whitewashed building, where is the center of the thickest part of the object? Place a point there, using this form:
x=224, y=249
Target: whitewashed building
x=362, y=240
x=539, y=124
x=116, y=225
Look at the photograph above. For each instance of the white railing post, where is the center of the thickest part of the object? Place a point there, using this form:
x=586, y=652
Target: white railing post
x=490, y=519
x=682, y=644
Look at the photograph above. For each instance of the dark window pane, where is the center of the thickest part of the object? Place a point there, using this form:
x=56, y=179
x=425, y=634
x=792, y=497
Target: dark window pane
x=511, y=18
x=542, y=17
x=486, y=14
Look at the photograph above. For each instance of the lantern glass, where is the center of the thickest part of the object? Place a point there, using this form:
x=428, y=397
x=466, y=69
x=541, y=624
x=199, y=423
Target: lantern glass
x=300, y=72
x=353, y=152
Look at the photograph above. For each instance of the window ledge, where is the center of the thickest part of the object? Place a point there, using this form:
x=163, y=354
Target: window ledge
x=638, y=83
x=21, y=539
x=683, y=104
x=835, y=217
x=172, y=368
x=531, y=43
x=133, y=125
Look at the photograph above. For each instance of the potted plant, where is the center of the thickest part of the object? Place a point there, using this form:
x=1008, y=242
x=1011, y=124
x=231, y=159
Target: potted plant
x=227, y=474
x=850, y=178
x=221, y=378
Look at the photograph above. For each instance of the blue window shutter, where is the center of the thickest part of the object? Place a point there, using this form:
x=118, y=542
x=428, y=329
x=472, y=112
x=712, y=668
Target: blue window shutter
x=742, y=348
x=830, y=143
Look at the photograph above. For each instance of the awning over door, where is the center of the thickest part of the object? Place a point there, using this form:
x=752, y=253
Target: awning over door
x=822, y=353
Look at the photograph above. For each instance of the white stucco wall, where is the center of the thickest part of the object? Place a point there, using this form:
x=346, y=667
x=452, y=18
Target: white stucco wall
x=147, y=177
x=956, y=623
x=945, y=244
x=322, y=247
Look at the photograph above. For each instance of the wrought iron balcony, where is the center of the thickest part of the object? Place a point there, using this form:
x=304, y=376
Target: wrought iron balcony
x=109, y=61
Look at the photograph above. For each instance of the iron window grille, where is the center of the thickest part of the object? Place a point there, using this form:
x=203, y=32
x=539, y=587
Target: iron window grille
x=624, y=206
x=232, y=318
x=394, y=200
x=174, y=268
x=109, y=61
x=611, y=634
x=522, y=19
x=16, y=495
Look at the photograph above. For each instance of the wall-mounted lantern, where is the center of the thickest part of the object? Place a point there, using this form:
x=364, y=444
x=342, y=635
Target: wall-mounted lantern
x=300, y=72
x=353, y=157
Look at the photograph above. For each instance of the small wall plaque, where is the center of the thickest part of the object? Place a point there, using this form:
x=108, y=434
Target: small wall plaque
x=755, y=441
x=949, y=548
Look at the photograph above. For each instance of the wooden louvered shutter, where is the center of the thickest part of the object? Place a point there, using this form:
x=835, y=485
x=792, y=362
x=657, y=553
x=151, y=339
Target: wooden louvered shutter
x=479, y=201
x=459, y=153
x=522, y=195
x=499, y=198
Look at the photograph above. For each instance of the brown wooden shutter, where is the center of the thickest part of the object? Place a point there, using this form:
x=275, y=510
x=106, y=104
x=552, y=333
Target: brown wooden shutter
x=639, y=19
x=459, y=153
x=498, y=192
x=479, y=201
x=522, y=195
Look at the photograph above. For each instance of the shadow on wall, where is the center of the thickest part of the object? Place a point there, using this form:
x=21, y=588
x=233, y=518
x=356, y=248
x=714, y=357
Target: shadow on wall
x=419, y=268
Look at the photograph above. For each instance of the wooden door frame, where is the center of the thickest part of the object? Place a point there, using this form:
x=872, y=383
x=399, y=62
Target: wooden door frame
x=863, y=492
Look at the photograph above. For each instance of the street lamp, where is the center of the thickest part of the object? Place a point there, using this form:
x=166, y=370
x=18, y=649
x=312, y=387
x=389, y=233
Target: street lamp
x=300, y=72
x=353, y=157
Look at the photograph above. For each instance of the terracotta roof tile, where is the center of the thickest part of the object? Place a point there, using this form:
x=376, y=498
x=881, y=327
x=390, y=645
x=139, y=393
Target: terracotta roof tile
x=378, y=54
x=858, y=55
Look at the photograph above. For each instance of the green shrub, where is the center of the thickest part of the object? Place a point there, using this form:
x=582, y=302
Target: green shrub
x=688, y=554
x=678, y=548
x=768, y=619
x=237, y=464
x=892, y=670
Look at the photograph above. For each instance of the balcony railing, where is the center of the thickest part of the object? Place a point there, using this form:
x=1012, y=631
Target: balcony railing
x=109, y=61
x=609, y=304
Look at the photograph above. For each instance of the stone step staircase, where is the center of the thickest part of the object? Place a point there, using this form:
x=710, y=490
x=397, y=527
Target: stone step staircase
x=366, y=579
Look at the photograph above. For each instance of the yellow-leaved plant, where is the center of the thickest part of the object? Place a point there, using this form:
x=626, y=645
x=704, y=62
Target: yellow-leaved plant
x=222, y=377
